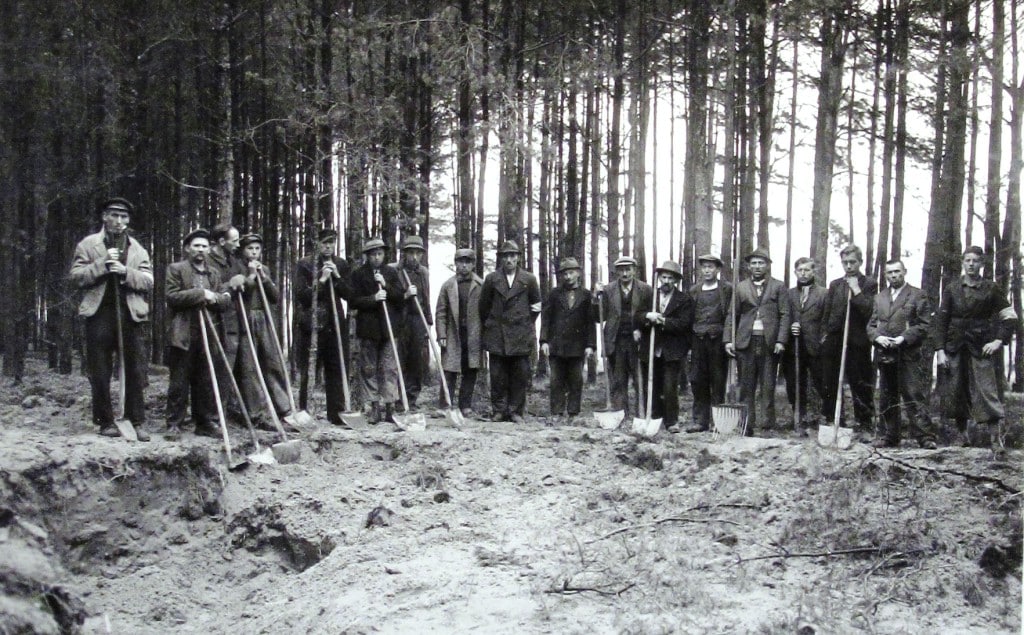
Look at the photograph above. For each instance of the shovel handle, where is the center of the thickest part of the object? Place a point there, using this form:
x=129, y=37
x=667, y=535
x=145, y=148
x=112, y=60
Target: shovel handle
x=394, y=349
x=435, y=350
x=259, y=371
x=650, y=359
x=604, y=353
x=341, y=353
x=216, y=390
x=277, y=342
x=231, y=376
x=121, y=373
x=842, y=364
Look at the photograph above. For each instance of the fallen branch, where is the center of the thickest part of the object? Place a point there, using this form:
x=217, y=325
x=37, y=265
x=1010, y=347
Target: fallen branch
x=830, y=554
x=983, y=478
x=568, y=589
x=660, y=521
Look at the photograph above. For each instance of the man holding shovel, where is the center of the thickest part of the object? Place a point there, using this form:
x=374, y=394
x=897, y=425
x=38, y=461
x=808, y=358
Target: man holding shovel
x=708, y=363
x=669, y=324
x=567, y=337
x=458, y=330
x=625, y=303
x=230, y=267
x=412, y=335
x=111, y=267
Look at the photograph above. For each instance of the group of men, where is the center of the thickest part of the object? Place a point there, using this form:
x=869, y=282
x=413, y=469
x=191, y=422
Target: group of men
x=221, y=333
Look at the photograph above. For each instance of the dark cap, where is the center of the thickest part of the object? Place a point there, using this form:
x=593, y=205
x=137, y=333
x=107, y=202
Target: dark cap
x=373, y=243
x=413, y=242
x=326, y=234
x=567, y=264
x=710, y=258
x=195, y=233
x=115, y=203
x=760, y=252
x=249, y=239
x=509, y=247
x=672, y=267
x=465, y=254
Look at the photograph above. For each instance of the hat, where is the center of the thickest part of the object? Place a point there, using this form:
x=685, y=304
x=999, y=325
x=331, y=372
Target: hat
x=326, y=234
x=373, y=243
x=625, y=261
x=672, y=267
x=760, y=252
x=413, y=242
x=249, y=239
x=567, y=264
x=116, y=202
x=710, y=258
x=465, y=254
x=509, y=247
x=195, y=233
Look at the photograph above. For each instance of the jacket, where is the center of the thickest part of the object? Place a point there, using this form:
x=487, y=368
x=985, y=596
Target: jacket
x=184, y=299
x=910, y=316
x=227, y=266
x=861, y=306
x=447, y=325
x=508, y=312
x=809, y=316
x=971, y=322
x=568, y=330
x=89, y=273
x=370, y=321
x=305, y=276
x=640, y=303
x=773, y=307
x=673, y=337
x=420, y=278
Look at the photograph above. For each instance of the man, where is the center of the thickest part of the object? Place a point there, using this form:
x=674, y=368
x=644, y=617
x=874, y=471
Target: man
x=972, y=324
x=113, y=270
x=567, y=337
x=625, y=304
x=223, y=257
x=375, y=288
x=708, y=363
x=412, y=338
x=807, y=303
x=509, y=306
x=259, y=315
x=315, y=275
x=762, y=331
x=898, y=329
x=861, y=292
x=459, y=329
x=191, y=285
x=670, y=324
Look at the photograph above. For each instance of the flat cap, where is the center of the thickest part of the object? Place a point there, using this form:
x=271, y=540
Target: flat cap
x=326, y=233
x=760, y=252
x=710, y=258
x=249, y=239
x=373, y=243
x=465, y=254
x=625, y=261
x=509, y=247
x=115, y=202
x=567, y=264
x=413, y=242
x=670, y=266
x=195, y=233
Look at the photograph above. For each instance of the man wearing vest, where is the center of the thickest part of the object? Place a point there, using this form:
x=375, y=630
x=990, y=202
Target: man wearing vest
x=708, y=362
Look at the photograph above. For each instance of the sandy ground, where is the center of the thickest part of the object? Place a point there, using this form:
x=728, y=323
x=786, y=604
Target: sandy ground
x=495, y=528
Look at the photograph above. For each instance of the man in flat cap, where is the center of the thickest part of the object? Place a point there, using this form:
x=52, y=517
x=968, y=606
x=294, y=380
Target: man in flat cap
x=375, y=288
x=762, y=331
x=412, y=338
x=191, y=285
x=567, y=337
x=315, y=275
x=459, y=330
x=708, y=363
x=114, y=273
x=807, y=304
x=625, y=303
x=509, y=305
x=670, y=323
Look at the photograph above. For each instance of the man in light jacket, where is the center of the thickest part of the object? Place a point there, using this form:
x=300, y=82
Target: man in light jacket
x=459, y=331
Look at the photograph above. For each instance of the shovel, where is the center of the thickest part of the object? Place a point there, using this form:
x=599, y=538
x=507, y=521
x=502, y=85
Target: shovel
x=296, y=418
x=649, y=427
x=833, y=435
x=124, y=426
x=453, y=415
x=354, y=420
x=262, y=455
x=608, y=419
x=407, y=420
x=796, y=364
x=232, y=464
x=285, y=451
x=730, y=418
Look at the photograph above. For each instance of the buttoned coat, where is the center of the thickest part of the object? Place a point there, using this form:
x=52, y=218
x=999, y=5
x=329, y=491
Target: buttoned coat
x=371, y=323
x=773, y=307
x=227, y=266
x=672, y=337
x=184, y=300
x=421, y=279
x=809, y=315
x=568, y=330
x=89, y=273
x=967, y=323
x=305, y=277
x=447, y=324
x=611, y=297
x=861, y=306
x=909, y=316
x=724, y=295
x=507, y=313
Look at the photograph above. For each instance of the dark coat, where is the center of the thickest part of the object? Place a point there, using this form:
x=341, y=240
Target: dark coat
x=971, y=322
x=672, y=337
x=370, y=321
x=809, y=316
x=724, y=295
x=305, y=276
x=184, y=299
x=448, y=325
x=910, y=316
x=640, y=303
x=227, y=266
x=508, y=313
x=251, y=294
x=568, y=330
x=774, y=311
x=420, y=278
x=861, y=306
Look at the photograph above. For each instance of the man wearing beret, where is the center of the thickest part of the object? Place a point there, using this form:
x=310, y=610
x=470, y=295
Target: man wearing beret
x=509, y=305
x=625, y=304
x=762, y=331
x=315, y=275
x=670, y=324
x=412, y=338
x=458, y=330
x=191, y=285
x=112, y=267
x=711, y=297
x=567, y=337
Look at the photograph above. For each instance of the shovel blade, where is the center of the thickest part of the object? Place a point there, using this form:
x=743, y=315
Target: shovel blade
x=609, y=420
x=646, y=427
x=300, y=420
x=727, y=419
x=263, y=457
x=835, y=436
x=454, y=417
x=127, y=430
x=411, y=421
x=355, y=420
x=287, y=451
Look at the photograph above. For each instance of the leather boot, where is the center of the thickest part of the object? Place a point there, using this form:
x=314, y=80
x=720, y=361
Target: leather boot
x=373, y=417
x=389, y=413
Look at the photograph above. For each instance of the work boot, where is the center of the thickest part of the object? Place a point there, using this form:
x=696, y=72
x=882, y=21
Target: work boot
x=172, y=432
x=109, y=430
x=373, y=417
x=206, y=429
x=697, y=427
x=389, y=413
x=140, y=433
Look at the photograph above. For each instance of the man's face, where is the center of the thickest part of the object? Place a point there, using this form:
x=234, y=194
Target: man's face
x=666, y=280
x=253, y=251
x=972, y=264
x=805, y=273
x=326, y=247
x=851, y=264
x=413, y=257
x=509, y=262
x=375, y=257
x=115, y=220
x=758, y=267
x=229, y=243
x=626, y=273
x=708, y=271
x=463, y=267
x=570, y=277
x=197, y=249
x=895, y=275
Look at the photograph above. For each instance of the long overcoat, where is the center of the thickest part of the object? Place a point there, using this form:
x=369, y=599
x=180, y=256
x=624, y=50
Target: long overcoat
x=447, y=324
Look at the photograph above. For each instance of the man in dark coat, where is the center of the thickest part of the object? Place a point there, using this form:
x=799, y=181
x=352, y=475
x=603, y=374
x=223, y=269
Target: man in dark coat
x=972, y=324
x=509, y=305
x=191, y=285
x=412, y=338
x=860, y=375
x=762, y=331
x=376, y=289
x=670, y=323
x=708, y=362
x=898, y=329
x=807, y=303
x=567, y=337
x=223, y=257
x=315, y=276
x=459, y=330
x=110, y=266
x=625, y=303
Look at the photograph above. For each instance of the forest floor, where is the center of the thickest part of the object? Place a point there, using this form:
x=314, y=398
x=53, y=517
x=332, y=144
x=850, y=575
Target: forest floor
x=495, y=528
